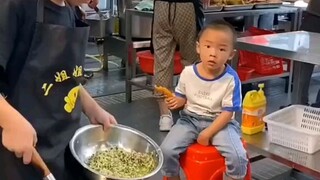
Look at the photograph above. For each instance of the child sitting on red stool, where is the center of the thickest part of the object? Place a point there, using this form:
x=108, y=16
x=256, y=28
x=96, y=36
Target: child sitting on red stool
x=211, y=93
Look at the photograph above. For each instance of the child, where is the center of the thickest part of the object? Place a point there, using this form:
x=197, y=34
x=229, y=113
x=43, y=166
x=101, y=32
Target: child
x=211, y=92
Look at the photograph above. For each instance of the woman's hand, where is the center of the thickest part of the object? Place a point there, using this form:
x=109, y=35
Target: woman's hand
x=18, y=135
x=94, y=112
x=93, y=3
x=100, y=116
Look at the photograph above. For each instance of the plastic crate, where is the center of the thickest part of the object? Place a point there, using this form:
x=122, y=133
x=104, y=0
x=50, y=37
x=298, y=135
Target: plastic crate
x=296, y=127
x=146, y=60
x=262, y=64
x=244, y=73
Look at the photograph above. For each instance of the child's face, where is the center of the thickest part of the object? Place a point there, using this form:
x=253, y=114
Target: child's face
x=215, y=48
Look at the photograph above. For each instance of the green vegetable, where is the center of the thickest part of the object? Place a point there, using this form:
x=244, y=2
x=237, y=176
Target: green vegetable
x=117, y=162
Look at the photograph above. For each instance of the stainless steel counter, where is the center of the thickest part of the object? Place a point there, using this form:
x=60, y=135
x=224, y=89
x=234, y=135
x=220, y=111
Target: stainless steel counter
x=306, y=163
x=299, y=46
x=254, y=15
x=292, y=11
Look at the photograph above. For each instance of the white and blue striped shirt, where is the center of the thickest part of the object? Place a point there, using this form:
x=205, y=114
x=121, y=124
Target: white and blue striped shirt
x=209, y=97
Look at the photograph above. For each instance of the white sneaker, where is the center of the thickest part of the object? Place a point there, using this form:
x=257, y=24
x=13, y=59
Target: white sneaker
x=166, y=122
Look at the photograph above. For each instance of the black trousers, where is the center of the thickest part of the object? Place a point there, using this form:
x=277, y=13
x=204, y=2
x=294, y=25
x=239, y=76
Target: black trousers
x=305, y=70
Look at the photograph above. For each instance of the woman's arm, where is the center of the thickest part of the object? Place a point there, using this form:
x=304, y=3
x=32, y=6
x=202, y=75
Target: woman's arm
x=18, y=135
x=93, y=111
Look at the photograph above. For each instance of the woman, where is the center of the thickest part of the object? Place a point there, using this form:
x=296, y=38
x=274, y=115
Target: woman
x=175, y=22
x=42, y=49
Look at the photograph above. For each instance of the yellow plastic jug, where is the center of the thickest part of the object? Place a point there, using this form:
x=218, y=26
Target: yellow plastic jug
x=254, y=108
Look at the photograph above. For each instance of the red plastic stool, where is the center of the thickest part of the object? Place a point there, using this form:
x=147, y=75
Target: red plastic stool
x=205, y=163
x=146, y=60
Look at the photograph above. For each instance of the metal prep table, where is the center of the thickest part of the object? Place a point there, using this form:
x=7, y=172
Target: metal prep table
x=255, y=13
x=299, y=47
x=126, y=48
x=307, y=164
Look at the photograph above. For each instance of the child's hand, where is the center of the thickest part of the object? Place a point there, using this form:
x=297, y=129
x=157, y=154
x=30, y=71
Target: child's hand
x=172, y=102
x=204, y=137
x=175, y=102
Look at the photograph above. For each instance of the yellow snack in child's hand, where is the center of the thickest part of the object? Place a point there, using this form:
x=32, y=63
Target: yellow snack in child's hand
x=164, y=91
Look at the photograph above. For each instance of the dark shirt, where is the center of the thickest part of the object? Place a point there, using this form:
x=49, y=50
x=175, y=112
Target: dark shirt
x=17, y=26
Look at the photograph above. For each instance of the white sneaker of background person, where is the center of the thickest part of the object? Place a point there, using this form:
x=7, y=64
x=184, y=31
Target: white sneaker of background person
x=166, y=122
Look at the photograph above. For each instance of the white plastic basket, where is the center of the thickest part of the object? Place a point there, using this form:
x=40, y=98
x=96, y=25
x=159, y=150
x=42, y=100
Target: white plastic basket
x=296, y=127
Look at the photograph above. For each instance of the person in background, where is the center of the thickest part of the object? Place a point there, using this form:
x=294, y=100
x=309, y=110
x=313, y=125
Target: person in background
x=210, y=92
x=175, y=23
x=266, y=21
x=42, y=50
x=309, y=23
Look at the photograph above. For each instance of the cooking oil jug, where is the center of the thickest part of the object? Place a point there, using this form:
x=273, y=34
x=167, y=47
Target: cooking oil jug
x=116, y=21
x=254, y=108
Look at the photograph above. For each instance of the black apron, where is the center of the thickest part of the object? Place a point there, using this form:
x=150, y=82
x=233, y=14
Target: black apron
x=47, y=95
x=198, y=8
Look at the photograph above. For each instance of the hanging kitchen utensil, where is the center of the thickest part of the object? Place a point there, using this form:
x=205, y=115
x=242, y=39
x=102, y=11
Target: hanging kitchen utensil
x=101, y=15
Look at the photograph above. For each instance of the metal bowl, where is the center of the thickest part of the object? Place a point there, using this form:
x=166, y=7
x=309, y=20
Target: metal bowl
x=91, y=138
